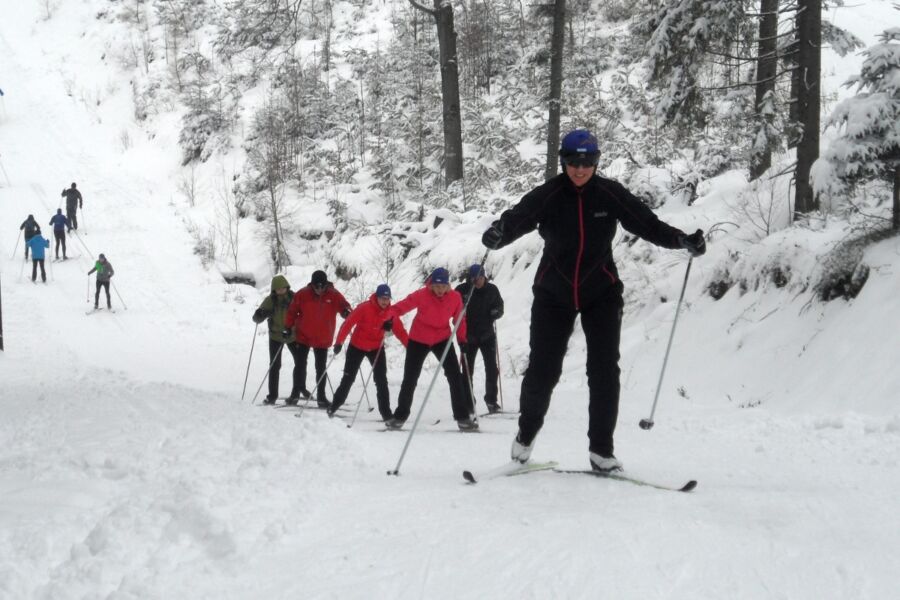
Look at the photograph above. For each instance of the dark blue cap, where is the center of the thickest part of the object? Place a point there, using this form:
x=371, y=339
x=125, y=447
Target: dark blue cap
x=440, y=275
x=476, y=271
x=383, y=291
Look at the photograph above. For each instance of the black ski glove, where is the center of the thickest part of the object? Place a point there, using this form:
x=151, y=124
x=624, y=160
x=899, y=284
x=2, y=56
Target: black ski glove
x=337, y=348
x=388, y=325
x=261, y=315
x=493, y=236
x=345, y=313
x=496, y=313
x=286, y=332
x=694, y=243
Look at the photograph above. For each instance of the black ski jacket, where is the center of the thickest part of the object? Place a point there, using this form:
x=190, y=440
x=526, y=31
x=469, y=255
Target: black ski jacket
x=479, y=322
x=578, y=226
x=73, y=199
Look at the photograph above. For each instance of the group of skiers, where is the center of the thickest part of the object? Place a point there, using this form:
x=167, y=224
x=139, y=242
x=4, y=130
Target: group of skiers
x=577, y=214
x=307, y=319
x=36, y=244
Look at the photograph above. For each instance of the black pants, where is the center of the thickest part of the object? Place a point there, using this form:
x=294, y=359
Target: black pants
x=551, y=327
x=34, y=268
x=275, y=352
x=73, y=219
x=27, y=247
x=488, y=350
x=60, y=236
x=415, y=358
x=379, y=374
x=321, y=359
x=102, y=284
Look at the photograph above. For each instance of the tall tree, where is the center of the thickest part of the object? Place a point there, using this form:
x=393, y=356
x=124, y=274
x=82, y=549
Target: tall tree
x=557, y=47
x=809, y=60
x=449, y=63
x=766, y=66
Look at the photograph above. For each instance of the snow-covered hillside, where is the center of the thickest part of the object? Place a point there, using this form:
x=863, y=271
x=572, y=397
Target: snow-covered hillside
x=131, y=468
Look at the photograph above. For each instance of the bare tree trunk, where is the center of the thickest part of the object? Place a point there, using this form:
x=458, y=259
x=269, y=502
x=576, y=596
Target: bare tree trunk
x=896, y=217
x=453, y=152
x=766, y=65
x=557, y=48
x=809, y=58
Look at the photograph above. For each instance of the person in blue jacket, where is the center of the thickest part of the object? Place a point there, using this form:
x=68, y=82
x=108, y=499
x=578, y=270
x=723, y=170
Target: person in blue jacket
x=60, y=223
x=38, y=243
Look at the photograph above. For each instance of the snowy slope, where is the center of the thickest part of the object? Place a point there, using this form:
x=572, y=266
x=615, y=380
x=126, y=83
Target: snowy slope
x=130, y=468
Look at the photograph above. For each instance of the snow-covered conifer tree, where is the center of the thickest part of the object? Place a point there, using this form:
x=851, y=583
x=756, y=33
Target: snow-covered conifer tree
x=869, y=146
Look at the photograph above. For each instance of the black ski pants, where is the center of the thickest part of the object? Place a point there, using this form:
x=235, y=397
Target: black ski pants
x=379, y=374
x=415, y=358
x=71, y=213
x=275, y=352
x=102, y=284
x=60, y=236
x=320, y=356
x=488, y=350
x=27, y=247
x=34, y=268
x=551, y=326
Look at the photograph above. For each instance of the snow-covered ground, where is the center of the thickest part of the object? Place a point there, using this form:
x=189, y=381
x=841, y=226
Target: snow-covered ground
x=130, y=467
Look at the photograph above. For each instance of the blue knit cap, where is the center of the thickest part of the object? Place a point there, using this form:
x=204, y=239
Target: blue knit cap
x=383, y=291
x=476, y=271
x=440, y=275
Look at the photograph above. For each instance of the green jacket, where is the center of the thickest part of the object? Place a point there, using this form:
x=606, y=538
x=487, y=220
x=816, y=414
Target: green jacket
x=273, y=309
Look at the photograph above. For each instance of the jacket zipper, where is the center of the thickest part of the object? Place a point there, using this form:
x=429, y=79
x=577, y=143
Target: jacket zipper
x=580, y=249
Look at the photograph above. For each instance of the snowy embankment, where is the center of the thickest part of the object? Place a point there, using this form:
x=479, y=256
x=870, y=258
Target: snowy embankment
x=130, y=468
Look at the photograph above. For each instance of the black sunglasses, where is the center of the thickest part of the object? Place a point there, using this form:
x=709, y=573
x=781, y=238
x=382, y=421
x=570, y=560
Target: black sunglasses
x=582, y=161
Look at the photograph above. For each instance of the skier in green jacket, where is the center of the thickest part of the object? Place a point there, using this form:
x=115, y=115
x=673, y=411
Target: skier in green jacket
x=273, y=309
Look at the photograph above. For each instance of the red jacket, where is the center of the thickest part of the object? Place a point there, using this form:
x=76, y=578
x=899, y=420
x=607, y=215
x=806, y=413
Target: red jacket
x=368, y=319
x=434, y=316
x=313, y=317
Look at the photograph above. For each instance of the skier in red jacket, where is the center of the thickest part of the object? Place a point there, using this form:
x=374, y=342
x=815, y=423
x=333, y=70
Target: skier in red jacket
x=437, y=308
x=311, y=318
x=369, y=327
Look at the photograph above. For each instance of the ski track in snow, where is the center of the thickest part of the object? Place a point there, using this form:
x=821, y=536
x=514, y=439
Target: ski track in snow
x=130, y=468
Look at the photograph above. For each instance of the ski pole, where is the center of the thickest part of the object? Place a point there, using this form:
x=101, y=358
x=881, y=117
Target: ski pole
x=266, y=376
x=499, y=374
x=247, y=374
x=456, y=323
x=87, y=296
x=13, y=255
x=648, y=423
x=366, y=384
x=116, y=290
x=8, y=182
x=467, y=375
x=318, y=381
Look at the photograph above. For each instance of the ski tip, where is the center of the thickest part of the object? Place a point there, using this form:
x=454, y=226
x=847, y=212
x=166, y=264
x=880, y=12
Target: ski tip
x=689, y=486
x=469, y=477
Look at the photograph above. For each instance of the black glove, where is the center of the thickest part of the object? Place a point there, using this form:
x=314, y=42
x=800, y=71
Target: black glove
x=694, y=243
x=261, y=315
x=493, y=236
x=337, y=348
x=388, y=325
x=345, y=313
x=286, y=332
x=496, y=313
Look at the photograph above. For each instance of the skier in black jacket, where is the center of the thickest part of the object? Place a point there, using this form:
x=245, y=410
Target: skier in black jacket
x=485, y=307
x=74, y=201
x=577, y=213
